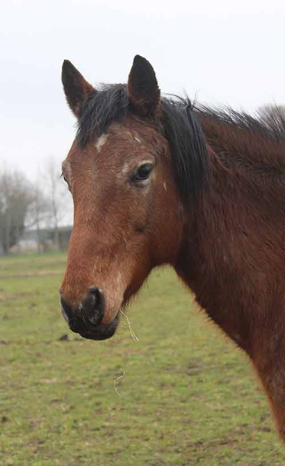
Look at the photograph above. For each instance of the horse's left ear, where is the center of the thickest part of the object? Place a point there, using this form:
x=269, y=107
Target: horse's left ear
x=76, y=88
x=143, y=89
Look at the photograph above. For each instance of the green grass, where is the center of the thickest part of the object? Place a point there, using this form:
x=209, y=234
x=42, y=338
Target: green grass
x=184, y=395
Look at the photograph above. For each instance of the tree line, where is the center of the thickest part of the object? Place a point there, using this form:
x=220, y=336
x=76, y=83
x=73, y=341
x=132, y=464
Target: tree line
x=26, y=205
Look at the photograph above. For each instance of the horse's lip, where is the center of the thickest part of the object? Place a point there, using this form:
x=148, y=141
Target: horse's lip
x=103, y=332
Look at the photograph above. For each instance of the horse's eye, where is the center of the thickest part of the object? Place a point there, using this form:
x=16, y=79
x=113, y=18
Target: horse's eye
x=143, y=172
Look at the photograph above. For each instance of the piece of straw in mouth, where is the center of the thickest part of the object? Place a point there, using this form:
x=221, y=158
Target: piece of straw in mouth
x=130, y=327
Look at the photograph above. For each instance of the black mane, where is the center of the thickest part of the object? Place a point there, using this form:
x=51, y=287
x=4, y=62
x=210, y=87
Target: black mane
x=254, y=144
x=179, y=126
x=269, y=123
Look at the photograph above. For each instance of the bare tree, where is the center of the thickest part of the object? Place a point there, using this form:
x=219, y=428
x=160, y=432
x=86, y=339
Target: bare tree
x=39, y=212
x=15, y=199
x=32, y=206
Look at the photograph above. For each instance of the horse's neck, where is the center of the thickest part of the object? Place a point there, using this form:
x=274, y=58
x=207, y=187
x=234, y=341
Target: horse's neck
x=233, y=259
x=228, y=249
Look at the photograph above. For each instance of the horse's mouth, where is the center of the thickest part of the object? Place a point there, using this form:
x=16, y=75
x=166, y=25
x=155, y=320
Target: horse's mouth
x=101, y=332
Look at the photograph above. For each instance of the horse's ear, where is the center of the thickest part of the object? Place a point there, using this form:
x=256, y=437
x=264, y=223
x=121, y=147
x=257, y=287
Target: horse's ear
x=143, y=89
x=76, y=88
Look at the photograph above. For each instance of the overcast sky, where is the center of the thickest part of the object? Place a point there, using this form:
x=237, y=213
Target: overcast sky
x=222, y=51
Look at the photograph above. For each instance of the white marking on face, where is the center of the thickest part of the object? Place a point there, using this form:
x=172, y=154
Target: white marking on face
x=138, y=140
x=165, y=186
x=125, y=168
x=100, y=142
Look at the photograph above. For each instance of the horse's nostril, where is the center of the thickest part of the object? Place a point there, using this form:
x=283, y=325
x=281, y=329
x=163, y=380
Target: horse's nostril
x=88, y=314
x=92, y=308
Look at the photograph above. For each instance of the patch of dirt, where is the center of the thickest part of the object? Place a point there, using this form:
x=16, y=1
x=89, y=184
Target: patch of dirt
x=8, y=297
x=194, y=368
x=64, y=337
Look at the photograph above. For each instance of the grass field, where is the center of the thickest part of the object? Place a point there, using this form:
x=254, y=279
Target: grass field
x=182, y=395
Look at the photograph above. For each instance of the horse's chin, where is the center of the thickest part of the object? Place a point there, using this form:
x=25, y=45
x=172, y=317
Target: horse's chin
x=102, y=332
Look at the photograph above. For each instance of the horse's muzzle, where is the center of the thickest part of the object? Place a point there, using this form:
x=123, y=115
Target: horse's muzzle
x=86, y=319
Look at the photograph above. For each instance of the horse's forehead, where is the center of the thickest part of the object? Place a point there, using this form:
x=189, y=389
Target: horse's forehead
x=119, y=143
x=128, y=133
x=100, y=142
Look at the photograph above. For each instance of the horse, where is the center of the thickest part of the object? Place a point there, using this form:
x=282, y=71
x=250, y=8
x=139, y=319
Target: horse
x=161, y=180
